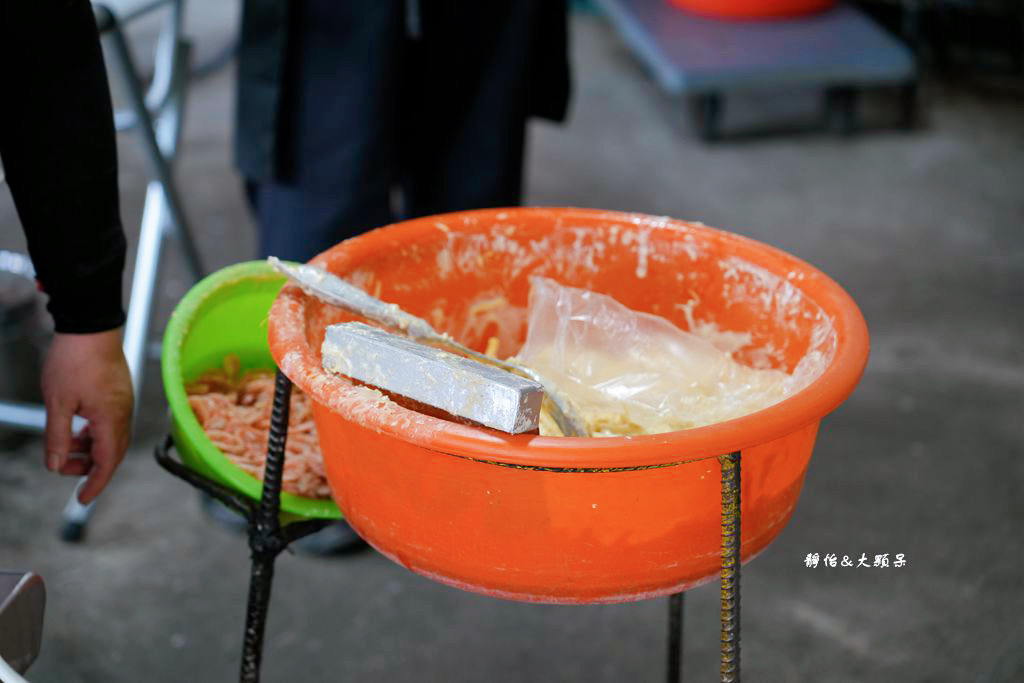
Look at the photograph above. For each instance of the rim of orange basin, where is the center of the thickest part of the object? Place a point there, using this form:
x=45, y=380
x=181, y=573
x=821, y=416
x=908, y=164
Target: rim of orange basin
x=753, y=10
x=286, y=335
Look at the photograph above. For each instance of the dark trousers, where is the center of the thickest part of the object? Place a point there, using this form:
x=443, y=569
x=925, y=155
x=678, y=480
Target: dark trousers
x=368, y=109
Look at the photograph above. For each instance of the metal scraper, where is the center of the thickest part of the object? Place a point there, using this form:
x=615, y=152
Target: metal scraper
x=460, y=386
x=333, y=290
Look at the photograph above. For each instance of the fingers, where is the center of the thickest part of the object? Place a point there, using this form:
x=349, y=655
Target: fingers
x=77, y=461
x=57, y=436
x=76, y=466
x=106, y=453
x=86, y=374
x=81, y=442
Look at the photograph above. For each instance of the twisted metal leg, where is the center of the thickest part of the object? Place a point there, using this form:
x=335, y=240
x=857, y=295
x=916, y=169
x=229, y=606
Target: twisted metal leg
x=264, y=534
x=730, y=587
x=267, y=539
x=260, y=580
x=270, y=501
x=676, y=621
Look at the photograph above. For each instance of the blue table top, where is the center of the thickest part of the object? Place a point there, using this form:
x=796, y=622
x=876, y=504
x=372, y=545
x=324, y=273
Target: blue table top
x=692, y=54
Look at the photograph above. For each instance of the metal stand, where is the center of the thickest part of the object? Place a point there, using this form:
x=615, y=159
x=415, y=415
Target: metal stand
x=730, y=582
x=729, y=669
x=708, y=115
x=676, y=613
x=267, y=538
x=157, y=116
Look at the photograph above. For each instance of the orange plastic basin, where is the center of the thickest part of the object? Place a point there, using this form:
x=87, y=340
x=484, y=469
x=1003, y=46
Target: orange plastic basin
x=753, y=9
x=568, y=520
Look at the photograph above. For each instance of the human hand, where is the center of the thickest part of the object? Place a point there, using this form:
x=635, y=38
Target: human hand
x=86, y=375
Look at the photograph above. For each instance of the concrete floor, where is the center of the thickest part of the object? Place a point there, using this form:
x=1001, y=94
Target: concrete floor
x=923, y=229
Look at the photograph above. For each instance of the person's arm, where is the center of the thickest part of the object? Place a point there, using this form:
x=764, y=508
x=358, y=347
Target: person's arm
x=60, y=158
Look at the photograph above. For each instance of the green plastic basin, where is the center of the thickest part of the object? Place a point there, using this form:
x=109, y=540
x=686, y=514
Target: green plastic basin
x=225, y=313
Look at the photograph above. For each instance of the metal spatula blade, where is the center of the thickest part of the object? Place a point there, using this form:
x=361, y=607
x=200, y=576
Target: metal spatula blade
x=333, y=290
x=456, y=385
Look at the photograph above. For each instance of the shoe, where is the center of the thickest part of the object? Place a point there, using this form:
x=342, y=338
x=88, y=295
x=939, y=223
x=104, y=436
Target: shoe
x=338, y=538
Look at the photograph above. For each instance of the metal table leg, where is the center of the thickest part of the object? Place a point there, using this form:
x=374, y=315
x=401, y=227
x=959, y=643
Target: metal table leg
x=709, y=108
x=676, y=621
x=267, y=538
x=841, y=112
x=264, y=534
x=730, y=586
x=908, y=106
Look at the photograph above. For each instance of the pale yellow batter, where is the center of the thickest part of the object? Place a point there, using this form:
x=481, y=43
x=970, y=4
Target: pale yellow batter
x=634, y=373
x=628, y=393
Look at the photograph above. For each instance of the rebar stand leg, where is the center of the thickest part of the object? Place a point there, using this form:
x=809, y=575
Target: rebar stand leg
x=265, y=539
x=676, y=621
x=730, y=588
x=260, y=580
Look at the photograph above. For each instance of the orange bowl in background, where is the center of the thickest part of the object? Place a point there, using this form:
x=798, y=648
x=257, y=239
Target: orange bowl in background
x=753, y=9
x=569, y=520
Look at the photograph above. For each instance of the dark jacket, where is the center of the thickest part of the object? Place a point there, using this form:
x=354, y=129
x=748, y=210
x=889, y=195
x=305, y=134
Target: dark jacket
x=264, y=49
x=60, y=158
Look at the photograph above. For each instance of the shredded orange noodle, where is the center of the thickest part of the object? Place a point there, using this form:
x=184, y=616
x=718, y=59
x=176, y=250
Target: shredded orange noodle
x=234, y=410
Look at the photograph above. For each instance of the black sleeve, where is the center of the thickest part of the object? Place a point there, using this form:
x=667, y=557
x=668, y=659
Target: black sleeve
x=60, y=158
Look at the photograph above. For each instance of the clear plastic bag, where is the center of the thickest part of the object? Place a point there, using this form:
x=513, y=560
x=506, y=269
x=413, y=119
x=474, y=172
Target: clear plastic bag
x=635, y=373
